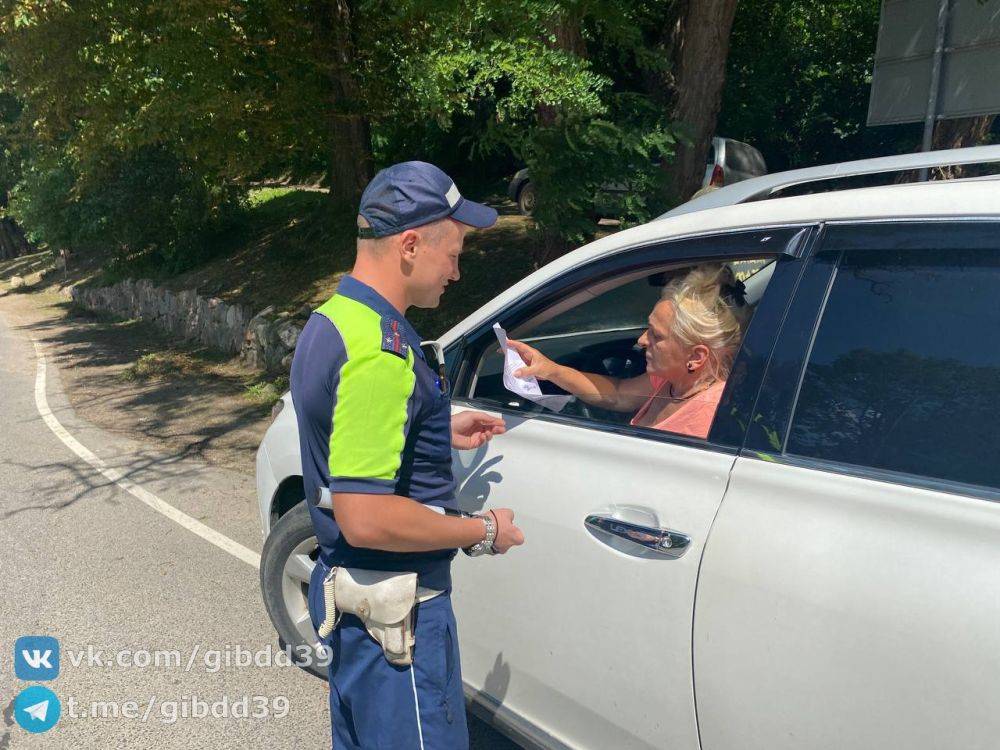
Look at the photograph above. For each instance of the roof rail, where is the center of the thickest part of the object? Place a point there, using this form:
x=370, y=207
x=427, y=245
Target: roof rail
x=762, y=187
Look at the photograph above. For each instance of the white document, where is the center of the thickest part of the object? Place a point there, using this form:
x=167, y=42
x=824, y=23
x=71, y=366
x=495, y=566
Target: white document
x=527, y=387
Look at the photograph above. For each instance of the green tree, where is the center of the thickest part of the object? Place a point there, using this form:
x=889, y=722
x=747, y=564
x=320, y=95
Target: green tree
x=798, y=82
x=206, y=96
x=12, y=240
x=562, y=86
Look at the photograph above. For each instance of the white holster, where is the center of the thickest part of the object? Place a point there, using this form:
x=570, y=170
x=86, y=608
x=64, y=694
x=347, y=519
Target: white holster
x=382, y=600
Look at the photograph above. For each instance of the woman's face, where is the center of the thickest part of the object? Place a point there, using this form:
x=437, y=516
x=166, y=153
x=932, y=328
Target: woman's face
x=666, y=356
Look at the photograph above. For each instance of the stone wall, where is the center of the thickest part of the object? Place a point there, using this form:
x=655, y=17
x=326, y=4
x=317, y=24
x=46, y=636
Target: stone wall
x=269, y=340
x=264, y=341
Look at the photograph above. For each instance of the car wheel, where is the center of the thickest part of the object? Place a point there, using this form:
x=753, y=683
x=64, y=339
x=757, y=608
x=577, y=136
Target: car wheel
x=526, y=199
x=286, y=563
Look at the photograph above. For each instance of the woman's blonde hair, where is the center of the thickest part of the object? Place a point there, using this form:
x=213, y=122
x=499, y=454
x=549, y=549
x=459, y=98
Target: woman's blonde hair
x=709, y=309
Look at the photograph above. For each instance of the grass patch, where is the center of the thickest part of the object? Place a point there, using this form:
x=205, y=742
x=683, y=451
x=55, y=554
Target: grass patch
x=33, y=269
x=290, y=247
x=162, y=364
x=257, y=198
x=297, y=245
x=102, y=317
x=266, y=392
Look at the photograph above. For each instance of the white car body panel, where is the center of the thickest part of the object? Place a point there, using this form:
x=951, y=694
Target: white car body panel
x=279, y=455
x=842, y=612
x=267, y=481
x=832, y=611
x=596, y=622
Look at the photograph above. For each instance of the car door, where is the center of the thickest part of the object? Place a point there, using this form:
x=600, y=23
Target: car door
x=849, y=594
x=582, y=637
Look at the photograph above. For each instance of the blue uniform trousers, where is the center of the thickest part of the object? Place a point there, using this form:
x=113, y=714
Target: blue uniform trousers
x=377, y=706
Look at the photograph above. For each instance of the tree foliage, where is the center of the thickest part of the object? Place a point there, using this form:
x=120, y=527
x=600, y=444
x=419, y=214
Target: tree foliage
x=799, y=79
x=230, y=92
x=139, y=125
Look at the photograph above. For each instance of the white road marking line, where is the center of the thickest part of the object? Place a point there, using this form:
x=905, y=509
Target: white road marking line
x=117, y=476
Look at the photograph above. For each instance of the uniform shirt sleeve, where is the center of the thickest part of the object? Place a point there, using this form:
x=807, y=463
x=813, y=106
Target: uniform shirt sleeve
x=373, y=411
x=319, y=355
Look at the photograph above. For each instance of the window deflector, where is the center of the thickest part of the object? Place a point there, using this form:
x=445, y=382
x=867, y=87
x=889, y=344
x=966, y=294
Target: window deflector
x=579, y=298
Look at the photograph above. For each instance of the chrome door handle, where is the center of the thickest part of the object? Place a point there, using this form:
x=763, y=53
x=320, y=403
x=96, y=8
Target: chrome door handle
x=663, y=542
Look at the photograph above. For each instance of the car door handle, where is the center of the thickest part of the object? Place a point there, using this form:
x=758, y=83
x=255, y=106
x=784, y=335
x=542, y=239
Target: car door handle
x=663, y=542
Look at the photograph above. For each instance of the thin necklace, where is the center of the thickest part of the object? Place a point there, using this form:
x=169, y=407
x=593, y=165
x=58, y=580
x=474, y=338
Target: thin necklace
x=672, y=397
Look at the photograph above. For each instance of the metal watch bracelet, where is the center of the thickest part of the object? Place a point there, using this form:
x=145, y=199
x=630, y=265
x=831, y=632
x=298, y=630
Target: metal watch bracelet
x=484, y=547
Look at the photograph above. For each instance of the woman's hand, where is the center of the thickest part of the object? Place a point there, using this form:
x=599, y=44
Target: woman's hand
x=471, y=429
x=537, y=364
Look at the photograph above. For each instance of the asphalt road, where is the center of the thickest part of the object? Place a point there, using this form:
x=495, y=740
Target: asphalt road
x=155, y=625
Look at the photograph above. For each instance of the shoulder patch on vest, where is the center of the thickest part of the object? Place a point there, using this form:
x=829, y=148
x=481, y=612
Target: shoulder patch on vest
x=392, y=338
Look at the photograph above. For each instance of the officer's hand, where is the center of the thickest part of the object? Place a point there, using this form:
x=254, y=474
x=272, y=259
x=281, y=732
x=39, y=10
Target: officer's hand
x=508, y=535
x=470, y=429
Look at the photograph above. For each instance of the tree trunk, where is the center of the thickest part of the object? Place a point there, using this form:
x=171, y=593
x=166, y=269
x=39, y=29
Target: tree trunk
x=349, y=165
x=568, y=37
x=959, y=132
x=699, y=42
x=6, y=246
x=12, y=241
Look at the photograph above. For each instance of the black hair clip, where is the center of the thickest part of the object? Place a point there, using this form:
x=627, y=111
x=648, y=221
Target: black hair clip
x=735, y=294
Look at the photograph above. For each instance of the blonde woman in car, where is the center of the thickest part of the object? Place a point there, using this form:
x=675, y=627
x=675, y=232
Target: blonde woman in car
x=694, y=333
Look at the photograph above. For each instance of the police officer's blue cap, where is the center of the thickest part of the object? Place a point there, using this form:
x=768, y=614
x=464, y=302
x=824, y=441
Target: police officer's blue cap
x=414, y=193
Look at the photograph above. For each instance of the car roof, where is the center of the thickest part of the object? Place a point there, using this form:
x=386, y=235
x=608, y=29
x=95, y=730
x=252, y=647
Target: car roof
x=922, y=200
x=765, y=186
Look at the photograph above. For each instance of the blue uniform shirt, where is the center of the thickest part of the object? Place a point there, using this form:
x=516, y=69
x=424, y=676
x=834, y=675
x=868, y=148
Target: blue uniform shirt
x=372, y=419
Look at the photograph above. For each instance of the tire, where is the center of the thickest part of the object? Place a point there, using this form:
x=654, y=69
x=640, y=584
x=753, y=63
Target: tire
x=285, y=565
x=526, y=199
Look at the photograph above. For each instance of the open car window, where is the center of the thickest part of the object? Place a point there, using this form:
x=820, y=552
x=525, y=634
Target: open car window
x=595, y=329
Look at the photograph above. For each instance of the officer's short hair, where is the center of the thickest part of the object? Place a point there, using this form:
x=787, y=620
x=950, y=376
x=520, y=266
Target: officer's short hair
x=377, y=245
x=374, y=245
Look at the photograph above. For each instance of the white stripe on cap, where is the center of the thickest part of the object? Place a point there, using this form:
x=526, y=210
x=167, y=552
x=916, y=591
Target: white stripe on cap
x=453, y=195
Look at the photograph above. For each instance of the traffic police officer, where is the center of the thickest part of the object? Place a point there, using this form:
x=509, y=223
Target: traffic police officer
x=376, y=432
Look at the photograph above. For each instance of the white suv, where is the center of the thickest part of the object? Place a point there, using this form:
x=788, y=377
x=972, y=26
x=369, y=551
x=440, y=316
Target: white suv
x=822, y=571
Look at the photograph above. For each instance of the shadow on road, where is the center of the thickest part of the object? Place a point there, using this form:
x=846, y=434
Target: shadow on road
x=194, y=404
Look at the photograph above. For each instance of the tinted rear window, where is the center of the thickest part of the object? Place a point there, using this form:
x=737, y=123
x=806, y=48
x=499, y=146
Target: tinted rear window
x=904, y=373
x=742, y=158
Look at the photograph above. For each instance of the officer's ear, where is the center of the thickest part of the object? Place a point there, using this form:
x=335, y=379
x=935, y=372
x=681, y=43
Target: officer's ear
x=408, y=244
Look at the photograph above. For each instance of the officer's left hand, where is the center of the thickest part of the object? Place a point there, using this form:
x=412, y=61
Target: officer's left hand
x=470, y=429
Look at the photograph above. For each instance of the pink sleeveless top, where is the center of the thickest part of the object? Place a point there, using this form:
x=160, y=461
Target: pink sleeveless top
x=694, y=417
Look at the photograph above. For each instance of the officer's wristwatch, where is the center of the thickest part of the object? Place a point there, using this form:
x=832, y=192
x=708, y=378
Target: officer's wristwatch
x=485, y=547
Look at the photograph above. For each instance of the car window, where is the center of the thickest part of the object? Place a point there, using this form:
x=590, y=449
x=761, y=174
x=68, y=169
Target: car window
x=736, y=157
x=904, y=372
x=626, y=306
x=596, y=330
x=743, y=158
